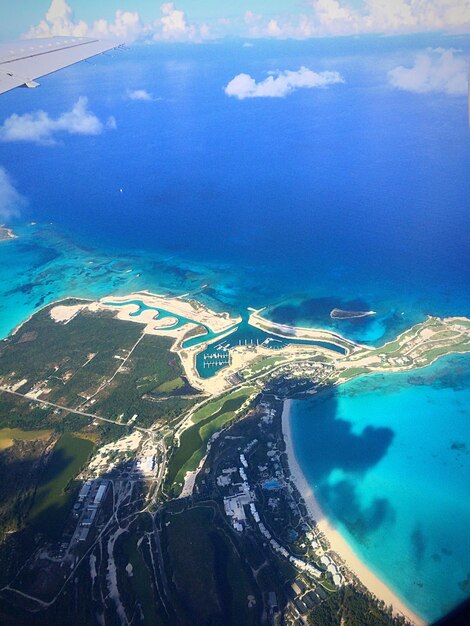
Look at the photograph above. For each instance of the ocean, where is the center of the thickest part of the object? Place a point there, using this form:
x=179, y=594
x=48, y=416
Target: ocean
x=389, y=459
x=353, y=196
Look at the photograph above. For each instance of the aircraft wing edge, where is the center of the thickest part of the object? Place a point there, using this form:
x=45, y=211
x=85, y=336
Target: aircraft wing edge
x=23, y=62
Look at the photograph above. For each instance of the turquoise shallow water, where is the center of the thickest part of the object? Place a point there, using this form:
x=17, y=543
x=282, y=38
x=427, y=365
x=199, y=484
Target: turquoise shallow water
x=389, y=458
x=44, y=264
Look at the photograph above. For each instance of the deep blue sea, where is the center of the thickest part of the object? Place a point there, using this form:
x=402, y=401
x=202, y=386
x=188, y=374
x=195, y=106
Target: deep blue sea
x=355, y=196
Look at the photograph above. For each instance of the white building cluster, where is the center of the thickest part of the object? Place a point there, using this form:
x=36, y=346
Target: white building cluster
x=90, y=497
x=332, y=568
x=234, y=508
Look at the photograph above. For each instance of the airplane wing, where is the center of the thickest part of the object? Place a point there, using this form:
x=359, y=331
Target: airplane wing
x=24, y=61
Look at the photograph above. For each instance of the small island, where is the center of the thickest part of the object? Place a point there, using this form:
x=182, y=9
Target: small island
x=6, y=233
x=340, y=314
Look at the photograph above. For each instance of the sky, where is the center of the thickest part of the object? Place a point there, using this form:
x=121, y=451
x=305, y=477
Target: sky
x=191, y=21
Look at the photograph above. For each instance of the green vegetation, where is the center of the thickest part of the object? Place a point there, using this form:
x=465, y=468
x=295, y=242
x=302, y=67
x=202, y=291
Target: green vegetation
x=435, y=353
x=139, y=578
x=198, y=330
x=16, y=412
x=151, y=366
x=327, y=584
x=208, y=419
x=211, y=407
x=43, y=349
x=21, y=455
x=391, y=347
x=354, y=371
x=257, y=366
x=351, y=607
x=170, y=385
x=55, y=491
x=73, y=360
x=215, y=589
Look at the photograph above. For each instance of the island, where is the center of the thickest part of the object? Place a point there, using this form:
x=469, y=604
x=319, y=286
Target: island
x=341, y=314
x=6, y=233
x=147, y=465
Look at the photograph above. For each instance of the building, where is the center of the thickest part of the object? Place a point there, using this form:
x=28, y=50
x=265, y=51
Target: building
x=89, y=516
x=83, y=534
x=85, y=490
x=233, y=506
x=272, y=602
x=100, y=494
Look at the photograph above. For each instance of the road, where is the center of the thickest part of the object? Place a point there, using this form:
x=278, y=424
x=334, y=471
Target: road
x=59, y=406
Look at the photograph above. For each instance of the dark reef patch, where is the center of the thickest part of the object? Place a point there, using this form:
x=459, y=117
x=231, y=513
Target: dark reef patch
x=418, y=543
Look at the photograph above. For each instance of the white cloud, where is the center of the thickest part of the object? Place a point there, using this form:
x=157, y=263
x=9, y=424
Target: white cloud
x=318, y=18
x=417, y=15
x=140, y=94
x=11, y=201
x=280, y=84
x=436, y=70
x=127, y=26
x=171, y=25
x=273, y=29
x=60, y=21
x=39, y=127
x=337, y=17
x=333, y=16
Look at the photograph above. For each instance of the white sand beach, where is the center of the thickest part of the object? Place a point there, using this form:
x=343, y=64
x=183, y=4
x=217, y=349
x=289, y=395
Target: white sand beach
x=335, y=539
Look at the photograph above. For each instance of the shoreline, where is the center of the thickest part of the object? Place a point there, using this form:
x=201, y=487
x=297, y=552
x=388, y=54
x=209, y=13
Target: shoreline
x=337, y=542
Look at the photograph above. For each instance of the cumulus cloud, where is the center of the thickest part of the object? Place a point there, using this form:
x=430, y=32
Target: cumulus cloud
x=280, y=84
x=127, y=26
x=436, y=70
x=317, y=18
x=171, y=25
x=39, y=127
x=337, y=17
x=60, y=21
x=333, y=16
x=11, y=201
x=417, y=15
x=140, y=94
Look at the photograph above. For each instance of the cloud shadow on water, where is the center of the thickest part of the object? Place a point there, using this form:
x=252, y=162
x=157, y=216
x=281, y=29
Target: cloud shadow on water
x=330, y=445
x=360, y=521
